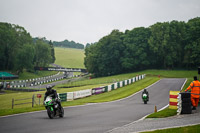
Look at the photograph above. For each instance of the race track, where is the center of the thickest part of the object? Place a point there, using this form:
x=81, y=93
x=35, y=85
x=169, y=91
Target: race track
x=93, y=118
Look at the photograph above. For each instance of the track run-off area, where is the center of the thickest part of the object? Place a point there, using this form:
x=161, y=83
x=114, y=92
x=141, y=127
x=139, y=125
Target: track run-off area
x=94, y=118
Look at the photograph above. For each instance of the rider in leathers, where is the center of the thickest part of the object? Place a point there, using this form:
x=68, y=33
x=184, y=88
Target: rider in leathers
x=146, y=92
x=53, y=94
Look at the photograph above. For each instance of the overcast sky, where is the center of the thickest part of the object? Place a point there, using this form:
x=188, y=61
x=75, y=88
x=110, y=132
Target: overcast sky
x=87, y=21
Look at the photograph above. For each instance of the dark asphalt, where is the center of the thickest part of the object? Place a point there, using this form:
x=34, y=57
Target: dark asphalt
x=93, y=118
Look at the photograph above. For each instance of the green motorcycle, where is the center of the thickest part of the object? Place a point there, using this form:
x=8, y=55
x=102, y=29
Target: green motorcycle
x=53, y=108
x=145, y=98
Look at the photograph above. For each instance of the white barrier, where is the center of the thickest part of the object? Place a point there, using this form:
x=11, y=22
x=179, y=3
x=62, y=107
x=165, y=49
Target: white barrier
x=70, y=96
x=82, y=93
x=109, y=87
x=121, y=83
x=115, y=85
x=136, y=78
x=130, y=81
x=125, y=82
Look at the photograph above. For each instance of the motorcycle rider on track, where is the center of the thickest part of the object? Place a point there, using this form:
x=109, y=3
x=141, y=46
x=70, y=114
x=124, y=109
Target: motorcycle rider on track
x=146, y=92
x=51, y=92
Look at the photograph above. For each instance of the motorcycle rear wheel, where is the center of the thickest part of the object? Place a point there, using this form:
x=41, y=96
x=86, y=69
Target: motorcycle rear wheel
x=61, y=114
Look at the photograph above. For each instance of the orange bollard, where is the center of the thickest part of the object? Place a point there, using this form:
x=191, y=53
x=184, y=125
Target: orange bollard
x=155, y=110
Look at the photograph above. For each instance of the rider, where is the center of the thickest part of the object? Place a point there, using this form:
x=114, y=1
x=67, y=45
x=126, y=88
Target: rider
x=146, y=92
x=53, y=94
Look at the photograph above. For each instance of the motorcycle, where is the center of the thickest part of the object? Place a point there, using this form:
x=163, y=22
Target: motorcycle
x=145, y=98
x=53, y=108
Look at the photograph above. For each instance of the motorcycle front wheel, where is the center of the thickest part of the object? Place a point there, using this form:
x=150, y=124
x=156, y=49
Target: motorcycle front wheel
x=50, y=113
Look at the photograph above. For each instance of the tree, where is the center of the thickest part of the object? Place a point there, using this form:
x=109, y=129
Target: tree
x=192, y=47
x=52, y=52
x=168, y=45
x=25, y=58
x=136, y=54
x=103, y=58
x=43, y=54
x=12, y=40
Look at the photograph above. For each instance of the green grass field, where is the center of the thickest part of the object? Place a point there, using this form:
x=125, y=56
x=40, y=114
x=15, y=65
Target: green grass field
x=187, y=129
x=69, y=57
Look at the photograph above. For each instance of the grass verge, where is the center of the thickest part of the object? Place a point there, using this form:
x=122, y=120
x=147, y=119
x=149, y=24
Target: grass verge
x=187, y=129
x=163, y=113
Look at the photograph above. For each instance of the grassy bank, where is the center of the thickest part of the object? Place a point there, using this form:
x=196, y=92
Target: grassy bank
x=187, y=129
x=164, y=113
x=69, y=57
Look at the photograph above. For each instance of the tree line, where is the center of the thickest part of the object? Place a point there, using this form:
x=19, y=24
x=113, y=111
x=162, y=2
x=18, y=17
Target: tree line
x=18, y=51
x=68, y=44
x=166, y=45
x=65, y=43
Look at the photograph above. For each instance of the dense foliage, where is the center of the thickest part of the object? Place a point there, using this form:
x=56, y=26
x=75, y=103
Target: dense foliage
x=167, y=45
x=18, y=51
x=68, y=44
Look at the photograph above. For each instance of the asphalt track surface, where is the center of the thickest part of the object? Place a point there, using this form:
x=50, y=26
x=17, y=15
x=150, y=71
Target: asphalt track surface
x=94, y=118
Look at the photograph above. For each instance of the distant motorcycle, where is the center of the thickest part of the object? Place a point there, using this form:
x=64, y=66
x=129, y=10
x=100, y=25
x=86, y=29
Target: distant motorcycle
x=145, y=98
x=53, y=109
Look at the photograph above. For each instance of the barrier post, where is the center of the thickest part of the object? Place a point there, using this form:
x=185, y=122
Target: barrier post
x=155, y=109
x=12, y=103
x=33, y=101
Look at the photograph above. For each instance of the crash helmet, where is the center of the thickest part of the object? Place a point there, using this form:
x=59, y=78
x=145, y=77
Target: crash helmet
x=49, y=87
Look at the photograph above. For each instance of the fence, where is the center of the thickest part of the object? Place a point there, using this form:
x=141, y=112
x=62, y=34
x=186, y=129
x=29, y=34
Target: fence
x=24, y=99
